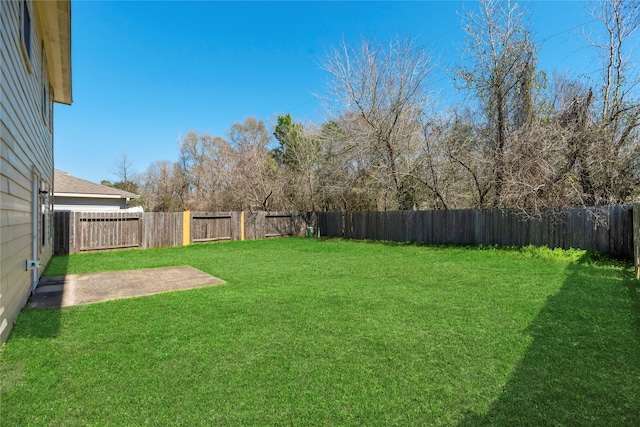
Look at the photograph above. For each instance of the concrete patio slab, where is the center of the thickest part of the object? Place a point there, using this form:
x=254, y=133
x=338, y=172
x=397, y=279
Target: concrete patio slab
x=79, y=289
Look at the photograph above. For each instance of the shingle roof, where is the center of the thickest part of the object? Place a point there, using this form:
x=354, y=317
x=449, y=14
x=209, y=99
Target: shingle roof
x=65, y=183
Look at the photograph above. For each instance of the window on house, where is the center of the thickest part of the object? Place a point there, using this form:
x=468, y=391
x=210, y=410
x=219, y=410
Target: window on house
x=50, y=109
x=45, y=213
x=26, y=34
x=43, y=227
x=44, y=104
x=51, y=214
x=43, y=77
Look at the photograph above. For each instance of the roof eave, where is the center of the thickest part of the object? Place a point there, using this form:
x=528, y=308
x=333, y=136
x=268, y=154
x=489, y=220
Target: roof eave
x=54, y=19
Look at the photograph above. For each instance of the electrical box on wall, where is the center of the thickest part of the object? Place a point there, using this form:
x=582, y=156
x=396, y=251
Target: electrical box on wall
x=32, y=264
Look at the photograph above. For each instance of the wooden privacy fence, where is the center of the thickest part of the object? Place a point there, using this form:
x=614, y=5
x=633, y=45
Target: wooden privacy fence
x=90, y=231
x=94, y=231
x=607, y=229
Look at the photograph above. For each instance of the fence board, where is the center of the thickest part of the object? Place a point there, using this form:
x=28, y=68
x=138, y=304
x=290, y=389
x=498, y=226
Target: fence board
x=330, y=224
x=249, y=218
x=621, y=237
x=161, y=229
x=62, y=229
x=250, y=224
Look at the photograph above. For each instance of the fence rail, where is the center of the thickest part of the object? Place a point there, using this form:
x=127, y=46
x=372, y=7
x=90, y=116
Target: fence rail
x=607, y=229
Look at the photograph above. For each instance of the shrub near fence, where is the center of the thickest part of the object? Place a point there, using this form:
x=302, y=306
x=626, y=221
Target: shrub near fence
x=607, y=229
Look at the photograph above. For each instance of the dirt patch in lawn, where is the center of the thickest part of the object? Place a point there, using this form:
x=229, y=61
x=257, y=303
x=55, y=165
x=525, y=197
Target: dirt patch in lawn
x=78, y=289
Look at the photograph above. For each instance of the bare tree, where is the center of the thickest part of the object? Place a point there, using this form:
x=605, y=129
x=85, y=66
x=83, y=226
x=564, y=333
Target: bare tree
x=254, y=170
x=339, y=180
x=499, y=71
x=123, y=168
x=204, y=160
x=160, y=189
x=615, y=142
x=620, y=19
x=380, y=92
x=299, y=158
x=465, y=144
x=521, y=141
x=127, y=177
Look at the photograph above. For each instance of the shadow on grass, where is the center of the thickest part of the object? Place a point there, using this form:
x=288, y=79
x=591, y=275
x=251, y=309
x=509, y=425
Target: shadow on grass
x=38, y=323
x=44, y=322
x=583, y=366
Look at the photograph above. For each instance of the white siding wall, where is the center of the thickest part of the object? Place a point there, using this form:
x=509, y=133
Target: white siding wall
x=26, y=145
x=77, y=204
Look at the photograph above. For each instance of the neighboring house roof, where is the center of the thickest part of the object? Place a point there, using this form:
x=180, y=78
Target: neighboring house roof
x=55, y=22
x=70, y=186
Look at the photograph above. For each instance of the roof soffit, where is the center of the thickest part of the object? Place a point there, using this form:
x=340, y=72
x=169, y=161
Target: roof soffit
x=54, y=20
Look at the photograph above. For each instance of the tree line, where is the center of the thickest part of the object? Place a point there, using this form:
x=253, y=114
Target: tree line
x=522, y=139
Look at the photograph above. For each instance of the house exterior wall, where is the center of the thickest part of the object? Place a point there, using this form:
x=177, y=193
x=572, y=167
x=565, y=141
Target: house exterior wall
x=77, y=204
x=26, y=158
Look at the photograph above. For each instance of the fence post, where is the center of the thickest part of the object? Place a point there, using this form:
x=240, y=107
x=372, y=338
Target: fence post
x=347, y=225
x=140, y=230
x=186, y=228
x=241, y=225
x=635, y=220
x=74, y=245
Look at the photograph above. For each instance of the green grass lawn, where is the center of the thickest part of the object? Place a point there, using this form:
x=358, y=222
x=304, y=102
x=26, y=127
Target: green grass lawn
x=332, y=332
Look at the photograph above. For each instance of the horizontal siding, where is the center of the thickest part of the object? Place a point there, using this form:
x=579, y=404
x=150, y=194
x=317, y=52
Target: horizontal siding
x=26, y=142
x=13, y=236
x=87, y=204
x=8, y=182
x=11, y=202
x=87, y=208
x=23, y=90
x=15, y=283
x=14, y=262
x=13, y=218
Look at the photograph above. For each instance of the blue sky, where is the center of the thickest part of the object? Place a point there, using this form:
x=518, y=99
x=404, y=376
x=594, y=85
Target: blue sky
x=147, y=72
